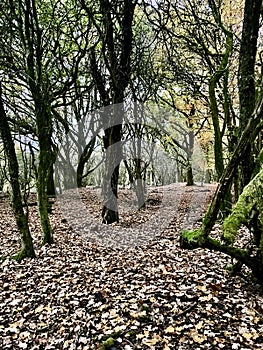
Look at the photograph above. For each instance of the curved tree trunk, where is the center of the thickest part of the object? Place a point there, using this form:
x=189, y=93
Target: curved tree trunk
x=221, y=71
x=251, y=131
x=248, y=211
x=84, y=158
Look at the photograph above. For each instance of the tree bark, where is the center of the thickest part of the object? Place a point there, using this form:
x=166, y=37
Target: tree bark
x=248, y=211
x=190, y=151
x=51, y=190
x=219, y=73
x=44, y=125
x=254, y=126
x=27, y=248
x=36, y=80
x=113, y=157
x=116, y=50
x=84, y=158
x=189, y=175
x=246, y=79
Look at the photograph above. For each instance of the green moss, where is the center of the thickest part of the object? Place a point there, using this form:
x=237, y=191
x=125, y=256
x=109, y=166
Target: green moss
x=232, y=223
x=249, y=201
x=206, y=217
x=132, y=333
x=112, y=335
x=144, y=319
x=192, y=239
x=107, y=344
x=145, y=307
x=22, y=254
x=229, y=267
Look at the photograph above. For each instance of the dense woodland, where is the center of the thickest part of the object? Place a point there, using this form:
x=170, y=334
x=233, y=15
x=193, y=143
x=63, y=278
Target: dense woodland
x=133, y=96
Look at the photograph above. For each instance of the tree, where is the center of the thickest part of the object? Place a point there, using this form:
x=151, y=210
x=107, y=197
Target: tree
x=41, y=54
x=138, y=135
x=110, y=66
x=246, y=79
x=27, y=249
x=247, y=210
x=198, y=63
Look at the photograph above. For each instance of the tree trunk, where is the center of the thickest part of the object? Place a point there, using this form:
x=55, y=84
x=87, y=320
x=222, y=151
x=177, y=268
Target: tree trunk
x=248, y=211
x=189, y=169
x=254, y=125
x=115, y=59
x=221, y=71
x=27, y=249
x=139, y=182
x=84, y=158
x=113, y=158
x=43, y=205
x=246, y=79
x=51, y=190
x=189, y=175
x=44, y=127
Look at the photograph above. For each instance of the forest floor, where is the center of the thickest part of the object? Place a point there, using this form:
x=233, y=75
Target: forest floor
x=136, y=291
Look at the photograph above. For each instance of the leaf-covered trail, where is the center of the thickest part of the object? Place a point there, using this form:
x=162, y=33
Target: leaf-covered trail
x=78, y=295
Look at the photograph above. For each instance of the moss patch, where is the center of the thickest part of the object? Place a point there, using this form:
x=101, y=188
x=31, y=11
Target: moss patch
x=248, y=211
x=107, y=344
x=192, y=239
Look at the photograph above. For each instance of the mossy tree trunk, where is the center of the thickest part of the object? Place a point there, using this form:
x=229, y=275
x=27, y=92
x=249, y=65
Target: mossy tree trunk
x=220, y=73
x=247, y=211
x=246, y=79
x=38, y=85
x=27, y=249
x=250, y=133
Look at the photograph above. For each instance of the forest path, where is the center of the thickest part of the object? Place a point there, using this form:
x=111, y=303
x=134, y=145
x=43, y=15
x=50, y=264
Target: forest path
x=81, y=295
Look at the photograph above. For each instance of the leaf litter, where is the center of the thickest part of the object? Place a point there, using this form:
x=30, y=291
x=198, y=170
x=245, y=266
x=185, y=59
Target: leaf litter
x=80, y=295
